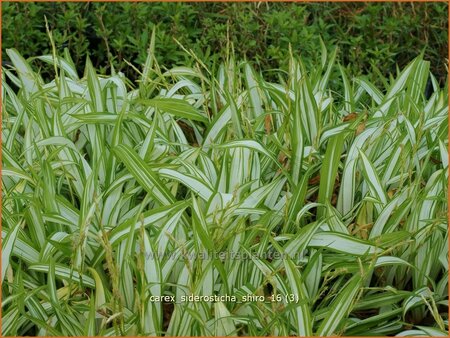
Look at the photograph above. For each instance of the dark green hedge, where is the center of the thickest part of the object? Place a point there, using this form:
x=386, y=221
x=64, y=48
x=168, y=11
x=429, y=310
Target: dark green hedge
x=368, y=34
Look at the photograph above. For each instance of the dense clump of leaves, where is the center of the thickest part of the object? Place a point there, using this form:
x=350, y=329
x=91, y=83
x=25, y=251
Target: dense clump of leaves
x=371, y=36
x=331, y=206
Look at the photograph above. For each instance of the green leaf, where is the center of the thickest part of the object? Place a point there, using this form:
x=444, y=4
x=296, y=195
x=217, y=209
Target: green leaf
x=7, y=247
x=328, y=170
x=339, y=308
x=339, y=242
x=176, y=107
x=304, y=320
x=223, y=325
x=144, y=175
x=65, y=273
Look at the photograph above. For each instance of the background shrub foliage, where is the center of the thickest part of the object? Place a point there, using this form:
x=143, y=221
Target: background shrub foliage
x=380, y=35
x=113, y=189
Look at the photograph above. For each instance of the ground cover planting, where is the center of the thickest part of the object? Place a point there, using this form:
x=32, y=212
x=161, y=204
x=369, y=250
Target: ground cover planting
x=211, y=201
x=371, y=36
